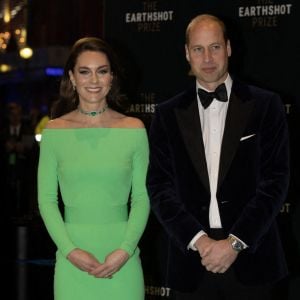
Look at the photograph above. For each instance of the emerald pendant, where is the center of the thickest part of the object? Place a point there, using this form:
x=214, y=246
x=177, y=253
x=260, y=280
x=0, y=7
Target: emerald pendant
x=92, y=113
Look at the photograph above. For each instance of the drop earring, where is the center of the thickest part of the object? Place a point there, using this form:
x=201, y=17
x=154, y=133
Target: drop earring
x=73, y=84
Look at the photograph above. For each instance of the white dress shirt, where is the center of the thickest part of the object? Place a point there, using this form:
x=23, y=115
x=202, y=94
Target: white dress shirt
x=212, y=121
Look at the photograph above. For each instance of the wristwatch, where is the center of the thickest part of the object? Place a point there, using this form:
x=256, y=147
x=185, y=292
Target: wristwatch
x=236, y=244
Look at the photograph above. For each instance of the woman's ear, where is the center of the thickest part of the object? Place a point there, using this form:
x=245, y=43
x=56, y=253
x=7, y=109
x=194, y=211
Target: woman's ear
x=71, y=76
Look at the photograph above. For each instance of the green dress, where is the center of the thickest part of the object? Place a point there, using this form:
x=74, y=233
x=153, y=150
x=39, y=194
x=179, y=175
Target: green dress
x=101, y=174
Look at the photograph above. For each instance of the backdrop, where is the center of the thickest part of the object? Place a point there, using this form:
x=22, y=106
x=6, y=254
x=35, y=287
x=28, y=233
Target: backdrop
x=149, y=36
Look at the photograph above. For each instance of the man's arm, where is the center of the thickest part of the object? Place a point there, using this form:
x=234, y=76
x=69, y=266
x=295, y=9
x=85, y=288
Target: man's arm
x=161, y=183
x=272, y=180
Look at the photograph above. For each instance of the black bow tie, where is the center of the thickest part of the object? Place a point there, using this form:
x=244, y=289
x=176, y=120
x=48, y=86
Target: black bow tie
x=206, y=98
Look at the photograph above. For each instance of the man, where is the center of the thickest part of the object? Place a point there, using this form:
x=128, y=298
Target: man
x=16, y=144
x=218, y=176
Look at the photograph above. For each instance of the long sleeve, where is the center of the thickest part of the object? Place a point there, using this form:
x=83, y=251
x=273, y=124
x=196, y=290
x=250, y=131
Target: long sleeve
x=262, y=209
x=48, y=197
x=162, y=179
x=139, y=202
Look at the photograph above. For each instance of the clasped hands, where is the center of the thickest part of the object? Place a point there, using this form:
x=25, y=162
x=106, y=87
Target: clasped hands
x=87, y=262
x=216, y=256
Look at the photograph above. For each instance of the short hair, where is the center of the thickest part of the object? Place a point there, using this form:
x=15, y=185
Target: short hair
x=203, y=17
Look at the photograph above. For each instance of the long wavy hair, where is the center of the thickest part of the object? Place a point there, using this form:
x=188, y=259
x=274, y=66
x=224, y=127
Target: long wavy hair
x=68, y=97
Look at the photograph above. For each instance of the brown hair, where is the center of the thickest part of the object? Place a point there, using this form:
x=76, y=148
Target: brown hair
x=68, y=97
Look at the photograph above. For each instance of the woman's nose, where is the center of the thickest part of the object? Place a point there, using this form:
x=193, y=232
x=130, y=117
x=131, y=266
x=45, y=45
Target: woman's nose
x=94, y=77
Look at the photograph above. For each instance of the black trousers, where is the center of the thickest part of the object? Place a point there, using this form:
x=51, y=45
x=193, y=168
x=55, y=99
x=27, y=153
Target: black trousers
x=225, y=286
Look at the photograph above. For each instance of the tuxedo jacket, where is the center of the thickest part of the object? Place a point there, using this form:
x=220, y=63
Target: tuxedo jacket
x=252, y=182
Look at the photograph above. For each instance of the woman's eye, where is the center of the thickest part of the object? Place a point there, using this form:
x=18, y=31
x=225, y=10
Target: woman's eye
x=83, y=72
x=103, y=71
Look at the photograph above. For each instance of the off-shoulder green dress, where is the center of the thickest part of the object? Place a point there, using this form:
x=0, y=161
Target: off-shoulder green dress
x=101, y=174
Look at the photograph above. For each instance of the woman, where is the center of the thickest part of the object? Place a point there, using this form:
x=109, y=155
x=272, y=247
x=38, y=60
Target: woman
x=98, y=157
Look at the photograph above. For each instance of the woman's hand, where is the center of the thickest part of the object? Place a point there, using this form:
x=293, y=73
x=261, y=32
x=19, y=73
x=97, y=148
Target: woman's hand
x=113, y=263
x=83, y=260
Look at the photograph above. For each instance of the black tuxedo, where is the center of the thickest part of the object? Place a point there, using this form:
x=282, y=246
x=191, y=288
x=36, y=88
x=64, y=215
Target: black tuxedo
x=252, y=182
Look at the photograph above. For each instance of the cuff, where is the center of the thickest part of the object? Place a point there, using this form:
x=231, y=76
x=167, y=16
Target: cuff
x=191, y=244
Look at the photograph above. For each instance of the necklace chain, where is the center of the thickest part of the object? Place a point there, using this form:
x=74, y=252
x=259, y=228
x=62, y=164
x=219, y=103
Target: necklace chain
x=92, y=113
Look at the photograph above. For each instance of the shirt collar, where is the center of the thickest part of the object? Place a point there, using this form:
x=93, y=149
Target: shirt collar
x=228, y=84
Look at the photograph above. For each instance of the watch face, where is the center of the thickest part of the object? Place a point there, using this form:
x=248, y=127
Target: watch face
x=237, y=245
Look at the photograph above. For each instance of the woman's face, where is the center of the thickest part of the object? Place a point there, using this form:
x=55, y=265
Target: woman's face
x=92, y=77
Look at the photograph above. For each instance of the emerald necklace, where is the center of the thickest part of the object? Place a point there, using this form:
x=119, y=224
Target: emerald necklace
x=92, y=113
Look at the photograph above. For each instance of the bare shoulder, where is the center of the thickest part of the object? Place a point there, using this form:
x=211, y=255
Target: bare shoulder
x=65, y=121
x=122, y=121
x=56, y=123
x=131, y=122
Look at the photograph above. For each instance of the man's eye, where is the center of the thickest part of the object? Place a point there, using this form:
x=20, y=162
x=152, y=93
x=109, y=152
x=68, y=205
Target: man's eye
x=216, y=47
x=198, y=49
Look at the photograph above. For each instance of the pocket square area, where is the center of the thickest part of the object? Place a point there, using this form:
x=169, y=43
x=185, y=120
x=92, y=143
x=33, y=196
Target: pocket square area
x=247, y=137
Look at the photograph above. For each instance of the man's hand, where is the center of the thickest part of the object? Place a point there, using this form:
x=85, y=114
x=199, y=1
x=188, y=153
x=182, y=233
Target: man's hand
x=204, y=244
x=217, y=256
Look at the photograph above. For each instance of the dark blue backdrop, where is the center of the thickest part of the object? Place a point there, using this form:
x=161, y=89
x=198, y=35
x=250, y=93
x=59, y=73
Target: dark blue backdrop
x=149, y=36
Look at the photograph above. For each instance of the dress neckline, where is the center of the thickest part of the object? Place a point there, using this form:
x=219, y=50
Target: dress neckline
x=84, y=128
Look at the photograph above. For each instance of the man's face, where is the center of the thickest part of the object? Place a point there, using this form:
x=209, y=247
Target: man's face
x=207, y=52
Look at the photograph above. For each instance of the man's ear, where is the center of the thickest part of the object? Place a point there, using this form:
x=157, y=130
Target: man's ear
x=228, y=48
x=187, y=54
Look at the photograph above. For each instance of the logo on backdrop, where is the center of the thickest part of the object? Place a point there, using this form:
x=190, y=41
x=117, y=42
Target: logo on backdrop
x=157, y=291
x=150, y=18
x=265, y=13
x=288, y=108
x=285, y=209
x=147, y=105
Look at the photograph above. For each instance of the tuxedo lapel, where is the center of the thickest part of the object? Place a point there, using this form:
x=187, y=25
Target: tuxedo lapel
x=190, y=128
x=236, y=120
x=189, y=124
